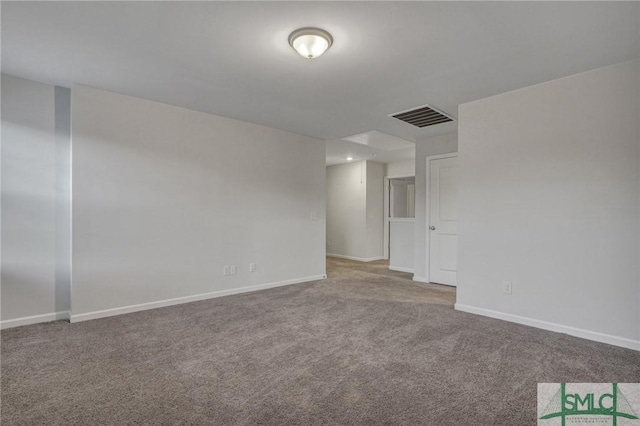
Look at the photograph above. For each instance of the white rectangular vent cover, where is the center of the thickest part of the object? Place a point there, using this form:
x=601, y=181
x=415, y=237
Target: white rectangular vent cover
x=422, y=116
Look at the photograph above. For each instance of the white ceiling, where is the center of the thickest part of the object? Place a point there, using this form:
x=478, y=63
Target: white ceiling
x=379, y=140
x=339, y=150
x=373, y=145
x=233, y=59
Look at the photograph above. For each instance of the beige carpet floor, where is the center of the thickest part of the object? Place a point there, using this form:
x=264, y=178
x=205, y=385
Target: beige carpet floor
x=365, y=346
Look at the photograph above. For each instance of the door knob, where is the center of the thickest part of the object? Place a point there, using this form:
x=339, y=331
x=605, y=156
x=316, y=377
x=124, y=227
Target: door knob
x=433, y=228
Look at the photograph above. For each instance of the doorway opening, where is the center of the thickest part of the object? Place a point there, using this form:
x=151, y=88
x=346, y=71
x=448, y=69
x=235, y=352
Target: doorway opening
x=399, y=222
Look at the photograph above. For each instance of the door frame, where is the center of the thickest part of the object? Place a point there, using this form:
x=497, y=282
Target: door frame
x=387, y=211
x=427, y=239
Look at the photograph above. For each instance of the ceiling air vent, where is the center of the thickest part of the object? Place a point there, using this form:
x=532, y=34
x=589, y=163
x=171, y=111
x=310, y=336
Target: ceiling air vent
x=422, y=116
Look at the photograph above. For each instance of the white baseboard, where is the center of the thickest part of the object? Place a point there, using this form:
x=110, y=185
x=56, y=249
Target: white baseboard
x=186, y=299
x=17, y=322
x=559, y=328
x=401, y=269
x=359, y=259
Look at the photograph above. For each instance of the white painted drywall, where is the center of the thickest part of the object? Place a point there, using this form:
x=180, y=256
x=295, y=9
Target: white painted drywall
x=62, y=98
x=435, y=145
x=549, y=200
x=401, y=236
x=355, y=210
x=375, y=210
x=35, y=202
x=165, y=197
x=399, y=198
x=411, y=200
x=346, y=209
x=402, y=168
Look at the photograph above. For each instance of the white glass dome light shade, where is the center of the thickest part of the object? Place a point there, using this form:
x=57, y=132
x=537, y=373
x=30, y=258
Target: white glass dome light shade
x=310, y=42
x=310, y=46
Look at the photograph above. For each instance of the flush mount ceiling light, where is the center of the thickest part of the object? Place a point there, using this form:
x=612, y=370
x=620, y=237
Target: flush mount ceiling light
x=310, y=42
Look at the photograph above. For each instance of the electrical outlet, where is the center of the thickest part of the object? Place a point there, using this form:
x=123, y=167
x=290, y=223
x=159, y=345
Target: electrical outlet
x=233, y=269
x=226, y=270
x=252, y=267
x=506, y=287
x=314, y=216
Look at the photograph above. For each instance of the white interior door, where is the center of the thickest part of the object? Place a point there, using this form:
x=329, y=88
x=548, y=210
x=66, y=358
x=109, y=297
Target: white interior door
x=443, y=220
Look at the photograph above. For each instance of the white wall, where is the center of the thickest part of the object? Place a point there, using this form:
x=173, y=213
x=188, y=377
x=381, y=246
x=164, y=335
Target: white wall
x=399, y=199
x=375, y=209
x=164, y=197
x=355, y=210
x=434, y=145
x=35, y=202
x=401, y=168
x=346, y=209
x=63, y=199
x=549, y=200
x=401, y=236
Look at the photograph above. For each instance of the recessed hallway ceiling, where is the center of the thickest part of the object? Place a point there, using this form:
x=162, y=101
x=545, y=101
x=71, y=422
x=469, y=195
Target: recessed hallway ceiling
x=233, y=58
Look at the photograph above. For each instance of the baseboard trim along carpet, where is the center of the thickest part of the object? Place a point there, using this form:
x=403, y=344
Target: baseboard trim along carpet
x=421, y=279
x=17, y=322
x=186, y=299
x=401, y=269
x=550, y=326
x=359, y=259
